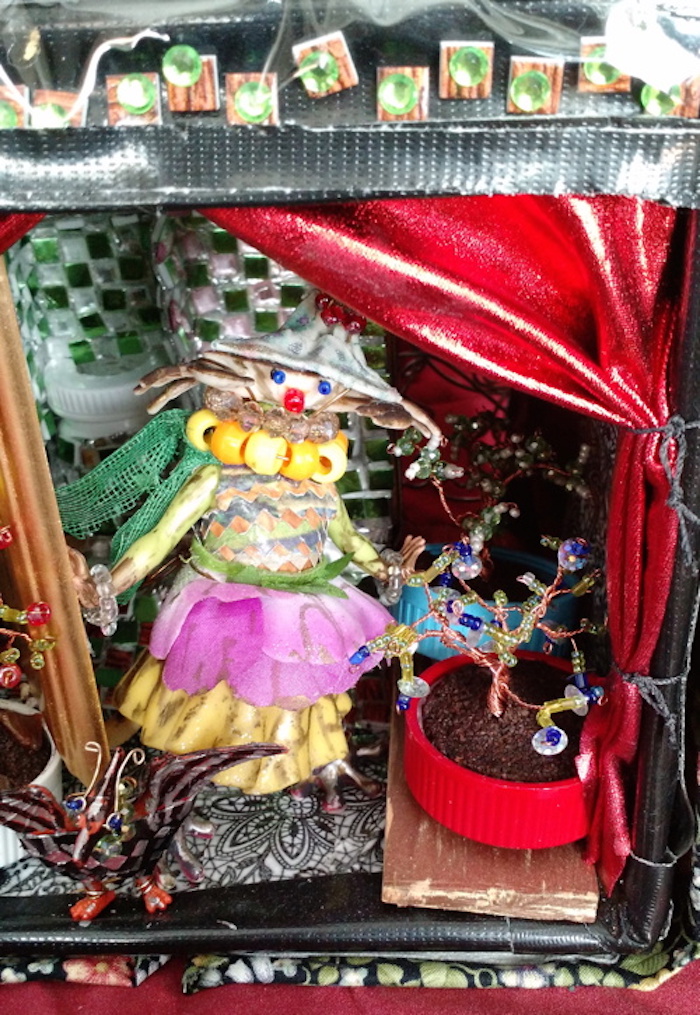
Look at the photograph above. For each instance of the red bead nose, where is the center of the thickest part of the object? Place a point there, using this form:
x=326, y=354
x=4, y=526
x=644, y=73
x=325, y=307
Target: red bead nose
x=294, y=400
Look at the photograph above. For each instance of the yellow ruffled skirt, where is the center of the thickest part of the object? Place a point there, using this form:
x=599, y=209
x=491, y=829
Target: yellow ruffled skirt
x=178, y=722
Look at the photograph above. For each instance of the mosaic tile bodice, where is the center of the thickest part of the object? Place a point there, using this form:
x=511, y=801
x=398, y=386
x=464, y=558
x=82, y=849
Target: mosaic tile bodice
x=268, y=521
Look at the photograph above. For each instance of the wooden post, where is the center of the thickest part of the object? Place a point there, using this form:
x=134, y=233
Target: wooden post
x=36, y=566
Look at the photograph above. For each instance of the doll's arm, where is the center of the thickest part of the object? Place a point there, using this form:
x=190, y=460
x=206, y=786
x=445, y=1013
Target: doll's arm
x=348, y=539
x=187, y=507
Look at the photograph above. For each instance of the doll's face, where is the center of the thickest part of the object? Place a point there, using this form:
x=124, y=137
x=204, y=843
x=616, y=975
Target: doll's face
x=296, y=391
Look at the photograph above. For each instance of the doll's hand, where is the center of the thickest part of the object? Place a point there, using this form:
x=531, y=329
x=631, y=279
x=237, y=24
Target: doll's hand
x=411, y=550
x=83, y=582
x=399, y=564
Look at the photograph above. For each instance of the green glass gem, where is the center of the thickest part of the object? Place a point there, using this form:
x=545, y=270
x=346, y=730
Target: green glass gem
x=8, y=116
x=658, y=103
x=597, y=70
x=182, y=66
x=530, y=91
x=109, y=845
x=319, y=71
x=48, y=115
x=253, y=101
x=468, y=66
x=136, y=94
x=398, y=94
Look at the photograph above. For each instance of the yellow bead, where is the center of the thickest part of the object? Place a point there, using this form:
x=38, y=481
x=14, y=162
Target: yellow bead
x=332, y=462
x=301, y=460
x=264, y=454
x=228, y=442
x=197, y=426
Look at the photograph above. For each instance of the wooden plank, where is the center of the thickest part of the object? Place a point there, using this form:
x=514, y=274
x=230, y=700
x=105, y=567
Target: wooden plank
x=428, y=866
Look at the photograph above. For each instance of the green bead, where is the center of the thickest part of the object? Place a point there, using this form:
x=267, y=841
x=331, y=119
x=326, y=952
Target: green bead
x=253, y=101
x=182, y=66
x=109, y=845
x=530, y=91
x=48, y=115
x=398, y=94
x=8, y=116
x=468, y=66
x=136, y=94
x=319, y=71
x=658, y=103
x=36, y=660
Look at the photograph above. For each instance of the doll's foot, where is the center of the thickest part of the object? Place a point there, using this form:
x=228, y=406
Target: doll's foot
x=155, y=897
x=329, y=778
x=92, y=904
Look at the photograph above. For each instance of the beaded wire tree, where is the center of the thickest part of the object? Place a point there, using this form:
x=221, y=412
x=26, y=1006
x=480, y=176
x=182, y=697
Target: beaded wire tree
x=492, y=644
x=35, y=615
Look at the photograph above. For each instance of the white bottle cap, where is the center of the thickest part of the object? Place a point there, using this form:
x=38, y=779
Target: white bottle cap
x=92, y=406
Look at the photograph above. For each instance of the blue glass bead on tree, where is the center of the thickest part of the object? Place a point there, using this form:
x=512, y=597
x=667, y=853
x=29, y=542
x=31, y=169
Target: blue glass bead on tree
x=573, y=554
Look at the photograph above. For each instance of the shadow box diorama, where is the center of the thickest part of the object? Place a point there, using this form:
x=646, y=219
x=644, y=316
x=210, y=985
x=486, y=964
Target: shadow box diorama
x=348, y=441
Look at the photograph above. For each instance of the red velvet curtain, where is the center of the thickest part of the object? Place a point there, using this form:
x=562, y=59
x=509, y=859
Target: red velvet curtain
x=571, y=299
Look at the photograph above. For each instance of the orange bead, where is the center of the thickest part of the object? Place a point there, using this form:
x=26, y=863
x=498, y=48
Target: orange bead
x=264, y=454
x=228, y=442
x=301, y=460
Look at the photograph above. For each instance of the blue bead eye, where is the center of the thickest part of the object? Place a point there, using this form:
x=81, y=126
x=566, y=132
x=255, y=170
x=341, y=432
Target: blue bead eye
x=324, y=387
x=278, y=376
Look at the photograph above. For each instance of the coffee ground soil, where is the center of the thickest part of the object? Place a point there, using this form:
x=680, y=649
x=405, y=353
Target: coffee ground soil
x=457, y=722
x=24, y=750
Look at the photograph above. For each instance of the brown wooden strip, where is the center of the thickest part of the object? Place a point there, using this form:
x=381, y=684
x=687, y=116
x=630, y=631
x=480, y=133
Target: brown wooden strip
x=421, y=76
x=118, y=116
x=552, y=69
x=203, y=96
x=448, y=87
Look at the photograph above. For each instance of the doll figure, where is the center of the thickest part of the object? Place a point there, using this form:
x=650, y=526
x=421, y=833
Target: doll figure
x=254, y=639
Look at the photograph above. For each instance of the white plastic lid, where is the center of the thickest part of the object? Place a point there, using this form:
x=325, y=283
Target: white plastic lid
x=94, y=405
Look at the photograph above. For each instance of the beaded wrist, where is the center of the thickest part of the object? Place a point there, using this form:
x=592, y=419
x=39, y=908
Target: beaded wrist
x=106, y=612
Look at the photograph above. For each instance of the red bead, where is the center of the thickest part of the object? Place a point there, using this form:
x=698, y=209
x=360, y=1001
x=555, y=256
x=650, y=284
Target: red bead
x=10, y=676
x=6, y=537
x=38, y=614
x=323, y=300
x=294, y=400
x=330, y=315
x=355, y=324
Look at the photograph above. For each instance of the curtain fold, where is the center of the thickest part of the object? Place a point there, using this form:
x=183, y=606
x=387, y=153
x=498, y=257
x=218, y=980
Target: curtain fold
x=571, y=299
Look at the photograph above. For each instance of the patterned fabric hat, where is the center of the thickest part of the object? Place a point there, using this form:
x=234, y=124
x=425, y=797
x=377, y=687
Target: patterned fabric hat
x=312, y=341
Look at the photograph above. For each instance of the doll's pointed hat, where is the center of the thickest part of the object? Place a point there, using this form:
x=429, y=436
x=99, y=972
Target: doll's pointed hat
x=320, y=337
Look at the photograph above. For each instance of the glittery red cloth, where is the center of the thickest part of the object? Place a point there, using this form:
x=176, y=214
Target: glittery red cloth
x=572, y=299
